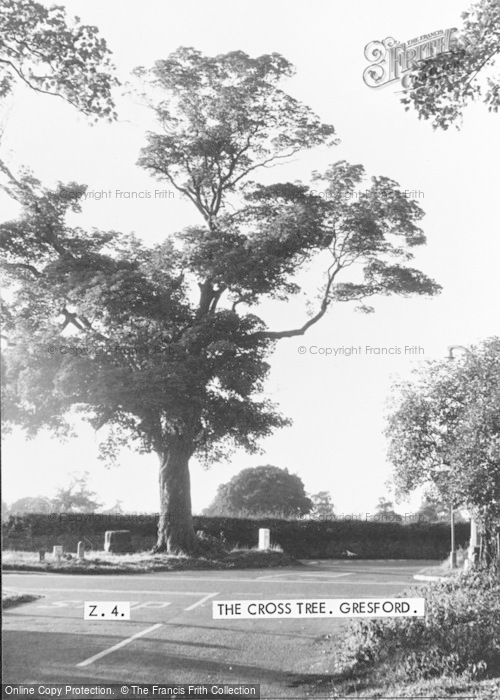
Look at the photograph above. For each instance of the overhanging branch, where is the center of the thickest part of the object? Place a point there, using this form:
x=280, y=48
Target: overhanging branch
x=276, y=335
x=21, y=266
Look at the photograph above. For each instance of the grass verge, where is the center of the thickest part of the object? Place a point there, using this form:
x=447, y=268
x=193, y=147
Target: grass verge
x=443, y=569
x=454, y=651
x=12, y=598
x=145, y=562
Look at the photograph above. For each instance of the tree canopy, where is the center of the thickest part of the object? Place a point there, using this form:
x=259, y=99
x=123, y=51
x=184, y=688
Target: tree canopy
x=31, y=504
x=262, y=490
x=443, y=85
x=41, y=49
x=444, y=430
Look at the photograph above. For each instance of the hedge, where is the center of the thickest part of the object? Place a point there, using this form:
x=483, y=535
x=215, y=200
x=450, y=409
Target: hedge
x=303, y=539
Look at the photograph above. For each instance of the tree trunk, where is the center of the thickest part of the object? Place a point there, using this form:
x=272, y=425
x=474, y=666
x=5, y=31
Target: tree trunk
x=175, y=527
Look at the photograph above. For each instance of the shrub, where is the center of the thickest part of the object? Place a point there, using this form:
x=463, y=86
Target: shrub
x=460, y=633
x=210, y=546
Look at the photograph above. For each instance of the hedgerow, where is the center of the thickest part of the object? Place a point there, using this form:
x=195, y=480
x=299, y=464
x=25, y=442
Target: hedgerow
x=299, y=538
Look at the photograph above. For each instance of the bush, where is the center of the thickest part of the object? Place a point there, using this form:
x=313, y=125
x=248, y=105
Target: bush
x=459, y=635
x=210, y=546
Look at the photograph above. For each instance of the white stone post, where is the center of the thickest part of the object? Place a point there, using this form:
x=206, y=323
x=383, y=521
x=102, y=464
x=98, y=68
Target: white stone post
x=474, y=544
x=264, y=538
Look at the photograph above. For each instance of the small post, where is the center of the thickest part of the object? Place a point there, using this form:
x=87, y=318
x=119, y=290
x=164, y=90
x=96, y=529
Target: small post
x=474, y=543
x=80, y=551
x=41, y=554
x=453, y=554
x=264, y=538
x=57, y=553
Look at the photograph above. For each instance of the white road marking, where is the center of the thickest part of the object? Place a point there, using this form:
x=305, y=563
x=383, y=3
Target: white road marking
x=200, y=602
x=121, y=644
x=121, y=590
x=306, y=576
x=153, y=604
x=55, y=604
x=323, y=582
x=134, y=604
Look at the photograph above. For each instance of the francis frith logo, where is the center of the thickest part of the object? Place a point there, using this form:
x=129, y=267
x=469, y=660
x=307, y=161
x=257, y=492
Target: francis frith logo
x=392, y=60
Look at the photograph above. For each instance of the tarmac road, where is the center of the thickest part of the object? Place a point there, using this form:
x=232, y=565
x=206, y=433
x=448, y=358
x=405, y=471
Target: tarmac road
x=175, y=639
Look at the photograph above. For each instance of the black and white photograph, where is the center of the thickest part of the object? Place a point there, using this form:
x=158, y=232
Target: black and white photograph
x=250, y=349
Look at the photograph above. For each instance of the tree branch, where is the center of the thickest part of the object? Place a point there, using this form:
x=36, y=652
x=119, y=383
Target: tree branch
x=22, y=266
x=71, y=318
x=276, y=335
x=39, y=89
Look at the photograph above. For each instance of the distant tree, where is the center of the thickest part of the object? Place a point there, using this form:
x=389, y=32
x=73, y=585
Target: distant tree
x=384, y=511
x=444, y=84
x=39, y=48
x=117, y=508
x=76, y=496
x=262, y=490
x=32, y=504
x=433, y=509
x=322, y=506
x=5, y=511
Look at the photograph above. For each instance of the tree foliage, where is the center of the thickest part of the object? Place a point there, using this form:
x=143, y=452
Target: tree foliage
x=322, y=506
x=31, y=504
x=434, y=508
x=222, y=118
x=5, y=511
x=444, y=430
x=262, y=490
x=76, y=496
x=39, y=48
x=384, y=510
x=203, y=359
x=443, y=85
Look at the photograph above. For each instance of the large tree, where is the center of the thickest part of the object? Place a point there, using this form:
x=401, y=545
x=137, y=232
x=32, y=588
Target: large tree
x=169, y=348
x=443, y=85
x=263, y=490
x=444, y=430
x=40, y=48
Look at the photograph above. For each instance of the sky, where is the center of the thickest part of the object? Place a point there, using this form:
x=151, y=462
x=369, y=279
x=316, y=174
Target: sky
x=337, y=403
